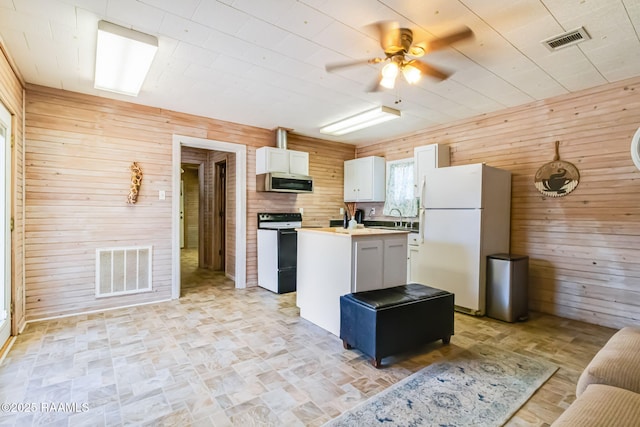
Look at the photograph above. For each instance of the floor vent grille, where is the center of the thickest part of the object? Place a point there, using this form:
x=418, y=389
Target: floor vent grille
x=121, y=271
x=569, y=38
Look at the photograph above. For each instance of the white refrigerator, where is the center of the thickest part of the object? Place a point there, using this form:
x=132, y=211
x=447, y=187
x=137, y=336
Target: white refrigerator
x=464, y=216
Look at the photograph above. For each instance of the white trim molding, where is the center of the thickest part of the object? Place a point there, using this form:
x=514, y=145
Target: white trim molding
x=240, y=151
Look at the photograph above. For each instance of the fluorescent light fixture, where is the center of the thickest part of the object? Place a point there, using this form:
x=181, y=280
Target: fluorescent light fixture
x=362, y=120
x=123, y=58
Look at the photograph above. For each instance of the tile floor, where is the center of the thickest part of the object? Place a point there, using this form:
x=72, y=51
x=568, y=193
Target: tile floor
x=220, y=357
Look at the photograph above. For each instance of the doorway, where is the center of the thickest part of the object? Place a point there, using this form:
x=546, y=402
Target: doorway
x=5, y=221
x=237, y=227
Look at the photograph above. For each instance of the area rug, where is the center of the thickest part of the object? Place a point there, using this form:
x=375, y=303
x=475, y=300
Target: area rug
x=482, y=386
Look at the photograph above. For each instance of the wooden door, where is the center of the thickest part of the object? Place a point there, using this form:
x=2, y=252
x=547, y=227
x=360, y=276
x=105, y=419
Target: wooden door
x=219, y=232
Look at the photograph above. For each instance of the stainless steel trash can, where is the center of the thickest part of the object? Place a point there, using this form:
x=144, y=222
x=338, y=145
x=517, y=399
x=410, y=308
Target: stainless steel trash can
x=507, y=287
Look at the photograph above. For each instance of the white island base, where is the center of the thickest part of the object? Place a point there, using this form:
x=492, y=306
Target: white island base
x=334, y=262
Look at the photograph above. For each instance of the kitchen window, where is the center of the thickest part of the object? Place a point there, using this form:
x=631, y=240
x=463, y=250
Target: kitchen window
x=400, y=192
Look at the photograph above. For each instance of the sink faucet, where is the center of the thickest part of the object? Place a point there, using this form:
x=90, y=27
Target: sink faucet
x=400, y=213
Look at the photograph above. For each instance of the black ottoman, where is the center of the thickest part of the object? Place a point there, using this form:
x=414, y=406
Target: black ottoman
x=384, y=322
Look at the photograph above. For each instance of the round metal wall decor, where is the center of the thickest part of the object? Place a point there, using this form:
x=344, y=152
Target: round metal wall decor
x=557, y=178
x=635, y=148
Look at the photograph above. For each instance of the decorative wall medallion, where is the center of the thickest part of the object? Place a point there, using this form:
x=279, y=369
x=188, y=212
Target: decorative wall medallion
x=635, y=148
x=557, y=178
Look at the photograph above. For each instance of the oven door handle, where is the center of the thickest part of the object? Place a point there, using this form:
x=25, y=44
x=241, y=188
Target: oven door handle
x=287, y=231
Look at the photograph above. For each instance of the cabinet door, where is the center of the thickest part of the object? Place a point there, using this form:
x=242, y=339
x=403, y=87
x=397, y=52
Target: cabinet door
x=428, y=157
x=298, y=162
x=364, y=180
x=270, y=159
x=395, y=262
x=367, y=265
x=412, y=264
x=350, y=181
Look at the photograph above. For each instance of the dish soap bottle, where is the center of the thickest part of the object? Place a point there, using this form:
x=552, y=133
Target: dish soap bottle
x=353, y=224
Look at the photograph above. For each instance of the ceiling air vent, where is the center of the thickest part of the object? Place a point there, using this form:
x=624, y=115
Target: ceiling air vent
x=566, y=39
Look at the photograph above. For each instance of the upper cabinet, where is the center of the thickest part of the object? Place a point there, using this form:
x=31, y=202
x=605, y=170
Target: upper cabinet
x=271, y=159
x=298, y=162
x=428, y=157
x=364, y=179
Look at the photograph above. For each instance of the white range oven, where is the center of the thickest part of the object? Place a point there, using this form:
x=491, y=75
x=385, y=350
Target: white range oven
x=278, y=251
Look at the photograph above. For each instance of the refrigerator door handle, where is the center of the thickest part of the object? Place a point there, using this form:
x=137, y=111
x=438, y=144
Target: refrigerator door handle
x=421, y=224
x=423, y=184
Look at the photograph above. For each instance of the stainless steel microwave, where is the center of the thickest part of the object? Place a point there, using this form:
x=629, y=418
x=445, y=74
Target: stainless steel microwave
x=279, y=182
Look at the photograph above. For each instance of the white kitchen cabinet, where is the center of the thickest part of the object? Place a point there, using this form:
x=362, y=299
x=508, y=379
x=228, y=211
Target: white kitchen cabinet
x=394, y=265
x=428, y=157
x=298, y=162
x=368, y=256
x=271, y=159
x=412, y=264
x=364, y=179
x=379, y=263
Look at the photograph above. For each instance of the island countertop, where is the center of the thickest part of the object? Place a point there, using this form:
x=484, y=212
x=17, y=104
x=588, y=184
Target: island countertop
x=348, y=232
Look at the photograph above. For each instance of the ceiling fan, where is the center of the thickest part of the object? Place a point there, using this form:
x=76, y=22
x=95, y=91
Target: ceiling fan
x=400, y=51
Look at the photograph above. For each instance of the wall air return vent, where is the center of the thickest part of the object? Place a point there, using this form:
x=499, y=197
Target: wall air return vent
x=121, y=271
x=569, y=38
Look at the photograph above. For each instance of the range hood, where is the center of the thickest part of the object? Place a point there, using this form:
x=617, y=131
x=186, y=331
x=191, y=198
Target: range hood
x=282, y=170
x=281, y=138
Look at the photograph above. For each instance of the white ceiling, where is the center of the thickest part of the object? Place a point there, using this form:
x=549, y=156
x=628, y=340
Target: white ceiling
x=261, y=62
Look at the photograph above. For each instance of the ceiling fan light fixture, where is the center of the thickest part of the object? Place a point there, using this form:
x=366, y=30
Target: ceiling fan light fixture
x=361, y=120
x=389, y=74
x=123, y=58
x=411, y=74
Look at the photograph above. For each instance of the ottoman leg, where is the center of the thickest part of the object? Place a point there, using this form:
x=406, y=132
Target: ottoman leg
x=446, y=340
x=376, y=362
x=346, y=345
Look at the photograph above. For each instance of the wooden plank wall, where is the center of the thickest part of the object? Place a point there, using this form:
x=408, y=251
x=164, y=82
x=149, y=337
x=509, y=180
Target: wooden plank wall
x=584, y=248
x=11, y=96
x=78, y=152
x=191, y=207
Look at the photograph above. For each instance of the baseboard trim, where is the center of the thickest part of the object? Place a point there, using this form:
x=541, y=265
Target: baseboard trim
x=6, y=347
x=102, y=310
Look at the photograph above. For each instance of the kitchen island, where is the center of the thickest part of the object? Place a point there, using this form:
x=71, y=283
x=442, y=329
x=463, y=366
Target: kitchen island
x=336, y=261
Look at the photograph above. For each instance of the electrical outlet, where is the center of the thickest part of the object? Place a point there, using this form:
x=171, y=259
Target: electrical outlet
x=372, y=211
x=341, y=211
x=301, y=210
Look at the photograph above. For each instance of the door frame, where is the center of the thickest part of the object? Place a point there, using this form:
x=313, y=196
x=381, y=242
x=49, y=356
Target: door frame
x=5, y=223
x=241, y=206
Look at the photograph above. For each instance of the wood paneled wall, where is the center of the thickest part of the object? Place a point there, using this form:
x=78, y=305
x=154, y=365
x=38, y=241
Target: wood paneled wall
x=78, y=151
x=11, y=96
x=584, y=248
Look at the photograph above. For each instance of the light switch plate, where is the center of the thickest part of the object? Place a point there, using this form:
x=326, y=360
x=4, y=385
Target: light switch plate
x=162, y=195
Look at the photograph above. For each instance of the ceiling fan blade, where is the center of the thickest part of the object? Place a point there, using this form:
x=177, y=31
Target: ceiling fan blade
x=388, y=34
x=426, y=69
x=442, y=42
x=346, y=64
